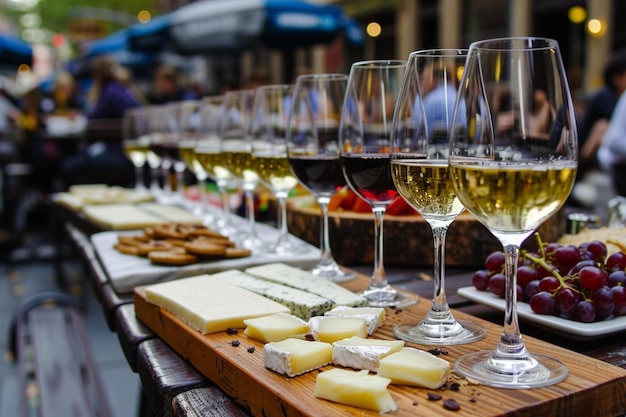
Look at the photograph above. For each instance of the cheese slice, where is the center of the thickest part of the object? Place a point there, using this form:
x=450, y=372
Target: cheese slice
x=171, y=213
x=120, y=216
x=330, y=329
x=374, y=316
x=301, y=303
x=356, y=388
x=415, y=367
x=359, y=353
x=293, y=357
x=306, y=281
x=210, y=305
x=275, y=327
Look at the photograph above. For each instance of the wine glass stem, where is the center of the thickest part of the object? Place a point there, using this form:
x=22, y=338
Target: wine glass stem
x=139, y=178
x=379, y=278
x=282, y=218
x=439, y=308
x=511, y=340
x=202, y=194
x=225, y=202
x=327, y=257
x=249, y=195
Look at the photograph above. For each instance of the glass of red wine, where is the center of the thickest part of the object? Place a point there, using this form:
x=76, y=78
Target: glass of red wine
x=364, y=135
x=313, y=152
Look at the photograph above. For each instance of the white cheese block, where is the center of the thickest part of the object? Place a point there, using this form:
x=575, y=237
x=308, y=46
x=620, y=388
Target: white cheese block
x=171, y=213
x=293, y=357
x=210, y=305
x=275, y=327
x=120, y=216
x=359, y=353
x=373, y=316
x=304, y=280
x=415, y=367
x=330, y=329
x=356, y=388
x=301, y=303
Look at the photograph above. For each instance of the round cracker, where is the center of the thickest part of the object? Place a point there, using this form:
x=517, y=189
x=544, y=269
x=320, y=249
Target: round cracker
x=205, y=248
x=237, y=252
x=152, y=246
x=126, y=249
x=169, y=257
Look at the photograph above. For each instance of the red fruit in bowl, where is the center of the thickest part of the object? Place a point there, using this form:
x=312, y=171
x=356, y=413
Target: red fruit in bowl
x=592, y=277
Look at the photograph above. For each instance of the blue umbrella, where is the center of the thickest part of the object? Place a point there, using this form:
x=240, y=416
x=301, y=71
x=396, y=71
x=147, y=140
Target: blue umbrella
x=14, y=51
x=152, y=36
x=216, y=25
x=115, y=42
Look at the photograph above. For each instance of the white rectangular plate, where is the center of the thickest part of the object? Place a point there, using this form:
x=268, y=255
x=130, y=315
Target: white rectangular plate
x=570, y=327
x=125, y=272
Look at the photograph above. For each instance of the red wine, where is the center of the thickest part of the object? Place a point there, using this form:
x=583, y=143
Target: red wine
x=369, y=175
x=318, y=173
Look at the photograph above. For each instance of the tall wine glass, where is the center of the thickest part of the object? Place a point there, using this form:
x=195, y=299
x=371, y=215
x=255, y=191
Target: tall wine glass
x=181, y=119
x=269, y=149
x=153, y=156
x=364, y=135
x=313, y=152
x=513, y=160
x=236, y=151
x=419, y=162
x=135, y=142
x=207, y=151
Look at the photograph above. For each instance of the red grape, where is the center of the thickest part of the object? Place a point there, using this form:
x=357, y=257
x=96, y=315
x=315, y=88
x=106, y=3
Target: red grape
x=585, y=311
x=480, y=280
x=617, y=278
x=497, y=285
x=542, y=303
x=549, y=284
x=566, y=300
x=566, y=257
x=525, y=274
x=619, y=297
x=592, y=277
x=598, y=250
x=603, y=298
x=531, y=289
x=495, y=262
x=616, y=261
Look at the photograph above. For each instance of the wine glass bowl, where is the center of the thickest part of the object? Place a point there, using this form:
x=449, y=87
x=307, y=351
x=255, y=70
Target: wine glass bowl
x=135, y=141
x=364, y=134
x=419, y=161
x=313, y=152
x=513, y=160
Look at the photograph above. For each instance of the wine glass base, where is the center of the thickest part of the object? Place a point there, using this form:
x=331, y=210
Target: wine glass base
x=388, y=297
x=456, y=333
x=477, y=366
x=333, y=273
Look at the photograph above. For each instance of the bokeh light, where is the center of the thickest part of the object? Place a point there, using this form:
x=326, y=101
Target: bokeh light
x=373, y=29
x=577, y=14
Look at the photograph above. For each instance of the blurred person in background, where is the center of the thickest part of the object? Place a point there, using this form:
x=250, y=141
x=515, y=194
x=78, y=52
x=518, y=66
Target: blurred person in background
x=612, y=151
x=103, y=160
x=168, y=86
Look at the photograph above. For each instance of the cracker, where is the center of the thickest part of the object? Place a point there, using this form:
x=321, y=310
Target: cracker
x=169, y=257
x=205, y=248
x=126, y=249
x=152, y=246
x=237, y=252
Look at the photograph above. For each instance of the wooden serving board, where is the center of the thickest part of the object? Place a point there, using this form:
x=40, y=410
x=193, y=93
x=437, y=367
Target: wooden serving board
x=240, y=373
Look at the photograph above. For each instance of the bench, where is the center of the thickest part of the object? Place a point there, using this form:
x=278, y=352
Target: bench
x=58, y=375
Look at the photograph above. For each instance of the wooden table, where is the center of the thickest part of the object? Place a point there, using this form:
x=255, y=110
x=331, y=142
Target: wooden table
x=172, y=387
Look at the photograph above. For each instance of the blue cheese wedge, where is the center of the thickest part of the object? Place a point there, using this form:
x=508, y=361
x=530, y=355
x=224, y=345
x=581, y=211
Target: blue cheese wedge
x=306, y=281
x=360, y=353
x=210, y=305
x=293, y=357
x=374, y=316
x=356, y=388
x=415, y=367
x=301, y=303
x=275, y=327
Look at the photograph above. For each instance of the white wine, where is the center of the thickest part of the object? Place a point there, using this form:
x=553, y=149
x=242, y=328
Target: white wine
x=425, y=184
x=510, y=196
x=213, y=163
x=136, y=151
x=188, y=155
x=274, y=170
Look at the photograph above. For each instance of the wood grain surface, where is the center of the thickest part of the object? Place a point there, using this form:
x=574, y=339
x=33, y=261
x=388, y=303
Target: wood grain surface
x=240, y=373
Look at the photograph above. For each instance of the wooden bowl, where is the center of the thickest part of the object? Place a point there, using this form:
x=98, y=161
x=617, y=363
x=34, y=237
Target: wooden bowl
x=408, y=239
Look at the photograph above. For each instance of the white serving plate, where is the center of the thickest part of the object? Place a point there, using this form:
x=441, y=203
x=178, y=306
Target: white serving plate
x=125, y=272
x=569, y=327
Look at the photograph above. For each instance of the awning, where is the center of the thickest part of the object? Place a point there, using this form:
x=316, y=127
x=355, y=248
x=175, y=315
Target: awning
x=115, y=42
x=14, y=51
x=151, y=36
x=218, y=25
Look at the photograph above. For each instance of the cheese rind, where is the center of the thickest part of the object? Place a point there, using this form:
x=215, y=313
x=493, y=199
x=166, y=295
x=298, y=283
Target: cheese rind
x=306, y=281
x=359, y=353
x=356, y=388
x=415, y=367
x=373, y=316
x=210, y=305
x=333, y=328
x=293, y=357
x=275, y=327
x=301, y=303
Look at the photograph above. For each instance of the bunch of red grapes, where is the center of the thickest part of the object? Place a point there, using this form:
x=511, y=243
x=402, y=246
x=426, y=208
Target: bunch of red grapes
x=574, y=282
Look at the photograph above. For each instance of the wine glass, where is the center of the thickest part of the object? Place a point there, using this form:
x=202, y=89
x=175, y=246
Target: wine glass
x=269, y=150
x=135, y=142
x=364, y=135
x=164, y=147
x=236, y=151
x=313, y=152
x=153, y=156
x=513, y=161
x=180, y=120
x=419, y=163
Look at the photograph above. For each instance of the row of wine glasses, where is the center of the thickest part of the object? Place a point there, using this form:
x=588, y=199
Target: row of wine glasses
x=489, y=129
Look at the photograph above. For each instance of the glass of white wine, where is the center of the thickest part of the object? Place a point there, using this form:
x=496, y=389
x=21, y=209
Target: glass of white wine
x=269, y=150
x=513, y=161
x=135, y=142
x=419, y=161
